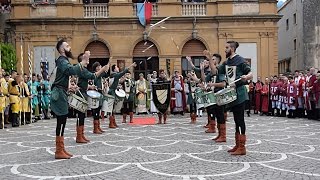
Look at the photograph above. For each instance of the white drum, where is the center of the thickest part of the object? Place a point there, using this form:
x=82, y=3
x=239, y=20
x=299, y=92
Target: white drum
x=108, y=102
x=120, y=93
x=226, y=96
x=93, y=99
x=78, y=103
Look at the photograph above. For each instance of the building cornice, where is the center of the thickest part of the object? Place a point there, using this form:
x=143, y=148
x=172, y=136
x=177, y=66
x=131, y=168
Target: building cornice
x=118, y=20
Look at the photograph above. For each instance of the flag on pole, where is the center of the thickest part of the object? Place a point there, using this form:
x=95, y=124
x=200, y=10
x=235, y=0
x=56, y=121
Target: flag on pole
x=144, y=12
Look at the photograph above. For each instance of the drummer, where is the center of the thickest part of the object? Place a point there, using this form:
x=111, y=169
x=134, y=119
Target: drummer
x=234, y=68
x=114, y=82
x=215, y=82
x=83, y=87
x=129, y=87
x=98, y=84
x=59, y=100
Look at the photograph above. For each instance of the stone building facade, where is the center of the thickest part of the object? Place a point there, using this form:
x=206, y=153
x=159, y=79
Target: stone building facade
x=299, y=35
x=111, y=29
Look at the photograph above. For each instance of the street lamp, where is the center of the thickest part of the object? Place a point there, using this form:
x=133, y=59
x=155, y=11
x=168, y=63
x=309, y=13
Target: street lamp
x=145, y=36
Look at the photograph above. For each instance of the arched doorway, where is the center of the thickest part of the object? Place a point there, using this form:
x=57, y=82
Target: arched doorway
x=193, y=48
x=99, y=52
x=146, y=58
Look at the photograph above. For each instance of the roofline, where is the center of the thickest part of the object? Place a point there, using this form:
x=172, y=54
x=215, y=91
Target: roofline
x=283, y=5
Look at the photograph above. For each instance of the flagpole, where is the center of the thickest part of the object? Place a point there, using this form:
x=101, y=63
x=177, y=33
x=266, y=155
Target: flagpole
x=30, y=74
x=21, y=93
x=2, y=115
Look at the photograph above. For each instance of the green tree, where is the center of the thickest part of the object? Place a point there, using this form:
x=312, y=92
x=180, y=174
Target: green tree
x=8, y=57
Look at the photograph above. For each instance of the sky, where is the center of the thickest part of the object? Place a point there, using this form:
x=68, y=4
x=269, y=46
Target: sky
x=280, y=2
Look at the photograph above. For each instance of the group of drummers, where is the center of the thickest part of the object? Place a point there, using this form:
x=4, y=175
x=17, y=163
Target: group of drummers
x=20, y=97
x=220, y=88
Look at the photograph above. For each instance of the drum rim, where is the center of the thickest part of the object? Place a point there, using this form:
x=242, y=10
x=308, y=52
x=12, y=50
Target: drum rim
x=98, y=95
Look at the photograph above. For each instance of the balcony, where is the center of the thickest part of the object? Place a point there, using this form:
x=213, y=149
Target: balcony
x=154, y=9
x=95, y=10
x=194, y=9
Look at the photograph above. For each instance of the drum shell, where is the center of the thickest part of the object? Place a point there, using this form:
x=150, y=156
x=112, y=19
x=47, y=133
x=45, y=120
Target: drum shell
x=226, y=96
x=77, y=103
x=209, y=99
x=108, y=103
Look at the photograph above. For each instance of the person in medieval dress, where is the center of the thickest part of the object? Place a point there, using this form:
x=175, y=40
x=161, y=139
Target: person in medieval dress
x=265, y=98
x=33, y=84
x=178, y=100
x=153, y=79
x=141, y=93
x=46, y=97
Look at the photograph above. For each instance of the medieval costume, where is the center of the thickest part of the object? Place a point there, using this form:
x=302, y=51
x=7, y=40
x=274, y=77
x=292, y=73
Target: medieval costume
x=142, y=94
x=257, y=96
x=25, y=103
x=274, y=95
x=178, y=97
x=292, y=98
x=129, y=88
x=234, y=68
x=300, y=88
x=265, y=99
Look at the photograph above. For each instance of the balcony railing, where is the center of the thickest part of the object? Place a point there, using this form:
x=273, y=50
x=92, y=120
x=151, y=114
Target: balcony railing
x=194, y=9
x=154, y=9
x=96, y=10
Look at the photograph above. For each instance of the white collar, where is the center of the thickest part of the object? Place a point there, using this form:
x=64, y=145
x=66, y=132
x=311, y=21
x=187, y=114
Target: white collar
x=233, y=55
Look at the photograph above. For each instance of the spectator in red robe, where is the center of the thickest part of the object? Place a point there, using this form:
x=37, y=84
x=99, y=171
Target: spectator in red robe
x=265, y=97
x=283, y=104
x=274, y=95
x=292, y=97
x=300, y=109
x=312, y=79
x=258, y=96
x=316, y=87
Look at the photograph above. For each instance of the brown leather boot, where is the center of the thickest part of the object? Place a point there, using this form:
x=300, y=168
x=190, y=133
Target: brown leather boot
x=124, y=120
x=212, y=127
x=222, y=132
x=208, y=124
x=79, y=138
x=111, y=125
x=131, y=117
x=165, y=118
x=193, y=118
x=241, y=150
x=102, y=115
x=160, y=119
x=99, y=127
x=114, y=122
x=60, y=154
x=219, y=132
x=95, y=127
x=236, y=136
x=82, y=132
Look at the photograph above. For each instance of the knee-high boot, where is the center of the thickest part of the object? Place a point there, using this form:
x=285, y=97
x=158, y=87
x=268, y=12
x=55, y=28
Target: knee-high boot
x=60, y=151
x=241, y=150
x=222, y=132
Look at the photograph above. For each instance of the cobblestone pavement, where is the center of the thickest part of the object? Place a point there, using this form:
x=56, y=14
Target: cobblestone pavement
x=277, y=148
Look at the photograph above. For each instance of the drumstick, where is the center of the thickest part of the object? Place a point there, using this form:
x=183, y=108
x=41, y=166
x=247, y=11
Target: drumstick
x=81, y=94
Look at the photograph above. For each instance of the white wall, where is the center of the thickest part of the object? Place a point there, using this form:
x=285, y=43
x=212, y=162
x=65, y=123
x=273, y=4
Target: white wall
x=249, y=50
x=44, y=51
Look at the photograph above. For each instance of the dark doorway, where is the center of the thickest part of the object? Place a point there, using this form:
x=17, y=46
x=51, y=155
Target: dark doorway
x=102, y=61
x=145, y=66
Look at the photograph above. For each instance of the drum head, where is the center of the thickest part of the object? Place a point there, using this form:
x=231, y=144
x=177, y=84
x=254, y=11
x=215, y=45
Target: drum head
x=93, y=94
x=120, y=93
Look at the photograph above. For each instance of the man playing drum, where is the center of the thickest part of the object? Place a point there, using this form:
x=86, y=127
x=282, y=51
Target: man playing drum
x=215, y=82
x=98, y=84
x=59, y=99
x=114, y=82
x=235, y=67
x=83, y=87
